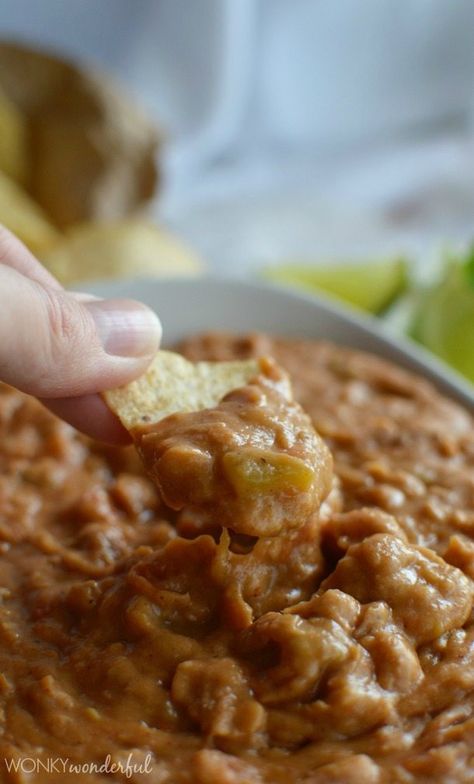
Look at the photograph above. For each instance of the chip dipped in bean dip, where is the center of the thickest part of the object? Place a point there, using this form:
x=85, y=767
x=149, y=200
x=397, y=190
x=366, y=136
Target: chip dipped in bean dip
x=335, y=645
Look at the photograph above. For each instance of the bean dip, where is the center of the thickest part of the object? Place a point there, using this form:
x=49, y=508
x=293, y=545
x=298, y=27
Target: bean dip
x=253, y=464
x=338, y=650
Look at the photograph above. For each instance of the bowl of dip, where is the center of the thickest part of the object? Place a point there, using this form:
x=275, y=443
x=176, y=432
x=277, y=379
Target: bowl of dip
x=153, y=645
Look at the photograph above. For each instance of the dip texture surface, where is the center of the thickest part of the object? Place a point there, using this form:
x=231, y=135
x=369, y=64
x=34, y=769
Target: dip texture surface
x=340, y=651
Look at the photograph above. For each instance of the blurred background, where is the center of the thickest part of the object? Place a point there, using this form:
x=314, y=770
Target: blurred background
x=291, y=134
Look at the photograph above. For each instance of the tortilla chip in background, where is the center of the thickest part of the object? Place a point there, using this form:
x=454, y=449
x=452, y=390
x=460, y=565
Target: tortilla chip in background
x=93, y=153
x=126, y=248
x=30, y=77
x=173, y=384
x=14, y=147
x=25, y=218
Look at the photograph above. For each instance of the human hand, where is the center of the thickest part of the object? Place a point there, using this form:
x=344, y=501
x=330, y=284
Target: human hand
x=64, y=347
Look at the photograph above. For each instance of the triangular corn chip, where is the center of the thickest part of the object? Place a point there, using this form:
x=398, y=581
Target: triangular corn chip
x=173, y=384
x=119, y=249
x=25, y=218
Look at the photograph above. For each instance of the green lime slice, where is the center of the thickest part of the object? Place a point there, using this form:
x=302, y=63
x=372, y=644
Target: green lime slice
x=371, y=286
x=444, y=321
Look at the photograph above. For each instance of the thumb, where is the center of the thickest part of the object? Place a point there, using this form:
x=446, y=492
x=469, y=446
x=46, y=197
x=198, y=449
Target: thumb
x=55, y=345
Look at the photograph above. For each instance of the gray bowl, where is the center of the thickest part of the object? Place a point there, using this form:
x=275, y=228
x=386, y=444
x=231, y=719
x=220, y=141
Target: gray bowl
x=187, y=306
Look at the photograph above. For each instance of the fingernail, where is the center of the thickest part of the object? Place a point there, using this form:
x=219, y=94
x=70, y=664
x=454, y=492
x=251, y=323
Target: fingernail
x=125, y=328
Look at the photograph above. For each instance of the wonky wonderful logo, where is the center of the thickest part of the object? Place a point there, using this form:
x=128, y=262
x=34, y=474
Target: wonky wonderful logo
x=64, y=765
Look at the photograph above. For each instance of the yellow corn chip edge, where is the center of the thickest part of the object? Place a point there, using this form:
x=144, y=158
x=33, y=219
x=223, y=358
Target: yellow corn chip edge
x=172, y=384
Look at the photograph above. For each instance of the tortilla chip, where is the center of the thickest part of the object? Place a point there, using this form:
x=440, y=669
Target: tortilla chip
x=14, y=151
x=25, y=218
x=92, y=151
x=173, y=384
x=119, y=249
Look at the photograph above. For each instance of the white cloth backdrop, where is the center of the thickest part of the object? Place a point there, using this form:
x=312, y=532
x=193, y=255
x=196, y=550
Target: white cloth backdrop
x=295, y=126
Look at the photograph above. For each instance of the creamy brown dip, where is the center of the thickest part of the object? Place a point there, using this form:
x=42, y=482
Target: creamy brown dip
x=253, y=464
x=340, y=651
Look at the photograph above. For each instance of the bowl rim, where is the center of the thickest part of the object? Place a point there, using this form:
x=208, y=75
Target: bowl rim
x=401, y=349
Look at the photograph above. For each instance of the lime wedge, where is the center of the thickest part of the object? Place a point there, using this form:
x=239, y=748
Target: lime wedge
x=444, y=320
x=371, y=286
